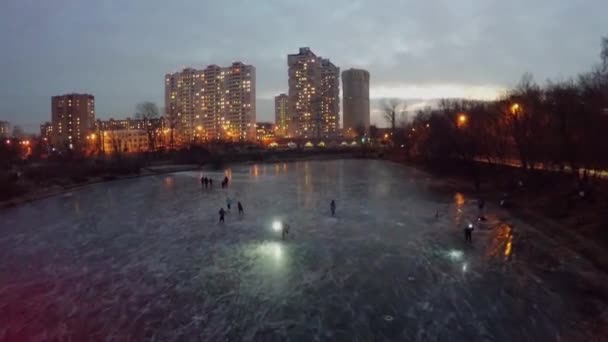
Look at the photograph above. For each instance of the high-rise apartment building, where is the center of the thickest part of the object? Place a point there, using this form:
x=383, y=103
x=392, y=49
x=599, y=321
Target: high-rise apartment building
x=46, y=131
x=182, y=102
x=213, y=103
x=355, y=109
x=281, y=118
x=72, y=117
x=314, y=92
x=330, y=99
x=5, y=128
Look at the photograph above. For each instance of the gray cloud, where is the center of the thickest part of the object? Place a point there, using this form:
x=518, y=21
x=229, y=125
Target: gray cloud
x=119, y=50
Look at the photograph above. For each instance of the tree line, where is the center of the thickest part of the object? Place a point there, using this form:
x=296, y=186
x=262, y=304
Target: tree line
x=561, y=126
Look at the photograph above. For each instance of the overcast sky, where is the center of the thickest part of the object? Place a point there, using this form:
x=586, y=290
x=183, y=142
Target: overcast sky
x=119, y=50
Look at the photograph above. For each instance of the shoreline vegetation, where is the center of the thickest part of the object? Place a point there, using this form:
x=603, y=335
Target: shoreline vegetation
x=41, y=180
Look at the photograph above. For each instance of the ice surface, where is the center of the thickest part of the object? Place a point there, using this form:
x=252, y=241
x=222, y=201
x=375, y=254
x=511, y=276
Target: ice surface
x=145, y=259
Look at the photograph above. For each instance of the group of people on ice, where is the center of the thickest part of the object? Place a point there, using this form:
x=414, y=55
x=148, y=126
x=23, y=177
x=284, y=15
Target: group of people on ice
x=223, y=212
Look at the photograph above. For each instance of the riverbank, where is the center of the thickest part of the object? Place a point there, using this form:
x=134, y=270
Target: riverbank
x=550, y=202
x=36, y=190
x=56, y=189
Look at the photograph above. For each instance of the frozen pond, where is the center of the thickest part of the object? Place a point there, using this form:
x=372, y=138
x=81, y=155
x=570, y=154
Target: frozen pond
x=146, y=259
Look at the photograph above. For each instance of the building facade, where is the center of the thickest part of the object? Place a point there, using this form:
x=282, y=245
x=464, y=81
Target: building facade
x=213, y=103
x=118, y=124
x=5, y=129
x=72, y=118
x=281, y=114
x=46, y=131
x=313, y=97
x=355, y=109
x=264, y=131
x=330, y=100
x=123, y=141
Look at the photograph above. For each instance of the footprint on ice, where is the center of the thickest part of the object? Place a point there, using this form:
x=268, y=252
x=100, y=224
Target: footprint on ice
x=388, y=318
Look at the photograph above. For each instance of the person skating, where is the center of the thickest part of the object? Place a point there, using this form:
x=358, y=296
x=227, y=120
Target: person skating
x=222, y=212
x=228, y=202
x=240, y=206
x=210, y=182
x=481, y=204
x=468, y=233
x=332, y=205
x=226, y=180
x=285, y=230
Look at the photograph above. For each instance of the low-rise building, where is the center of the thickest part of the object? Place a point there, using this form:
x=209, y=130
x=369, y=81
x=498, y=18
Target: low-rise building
x=122, y=141
x=264, y=131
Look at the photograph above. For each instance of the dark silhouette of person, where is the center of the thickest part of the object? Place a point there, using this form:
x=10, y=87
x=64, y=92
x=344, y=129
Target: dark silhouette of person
x=202, y=181
x=222, y=212
x=210, y=182
x=332, y=205
x=240, y=206
x=285, y=230
x=226, y=180
x=228, y=202
x=468, y=233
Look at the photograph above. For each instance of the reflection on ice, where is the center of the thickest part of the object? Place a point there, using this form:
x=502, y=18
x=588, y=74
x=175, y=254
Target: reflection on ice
x=501, y=243
x=149, y=262
x=271, y=253
x=455, y=255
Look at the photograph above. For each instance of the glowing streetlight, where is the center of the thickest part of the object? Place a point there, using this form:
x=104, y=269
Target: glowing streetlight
x=93, y=136
x=462, y=120
x=515, y=108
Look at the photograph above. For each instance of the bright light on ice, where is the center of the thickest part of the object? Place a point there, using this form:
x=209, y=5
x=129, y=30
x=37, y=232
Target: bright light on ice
x=276, y=226
x=464, y=267
x=455, y=254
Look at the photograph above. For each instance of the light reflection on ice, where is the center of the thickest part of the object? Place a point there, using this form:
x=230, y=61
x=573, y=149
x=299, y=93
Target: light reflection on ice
x=455, y=255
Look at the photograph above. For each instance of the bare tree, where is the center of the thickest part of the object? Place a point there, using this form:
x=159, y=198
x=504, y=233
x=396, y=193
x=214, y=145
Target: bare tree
x=148, y=113
x=604, y=54
x=171, y=120
x=392, y=110
x=360, y=131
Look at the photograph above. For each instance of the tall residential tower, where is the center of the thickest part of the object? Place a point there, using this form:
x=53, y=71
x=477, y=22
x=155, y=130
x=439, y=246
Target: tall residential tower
x=213, y=103
x=281, y=118
x=313, y=99
x=355, y=83
x=73, y=118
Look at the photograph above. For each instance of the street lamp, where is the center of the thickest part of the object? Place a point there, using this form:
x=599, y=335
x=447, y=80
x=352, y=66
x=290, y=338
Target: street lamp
x=462, y=120
x=515, y=108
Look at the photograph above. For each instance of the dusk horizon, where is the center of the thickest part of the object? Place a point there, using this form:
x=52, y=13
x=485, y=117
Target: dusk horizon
x=119, y=52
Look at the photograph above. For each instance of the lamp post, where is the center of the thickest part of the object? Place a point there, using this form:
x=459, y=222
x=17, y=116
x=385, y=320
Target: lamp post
x=462, y=120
